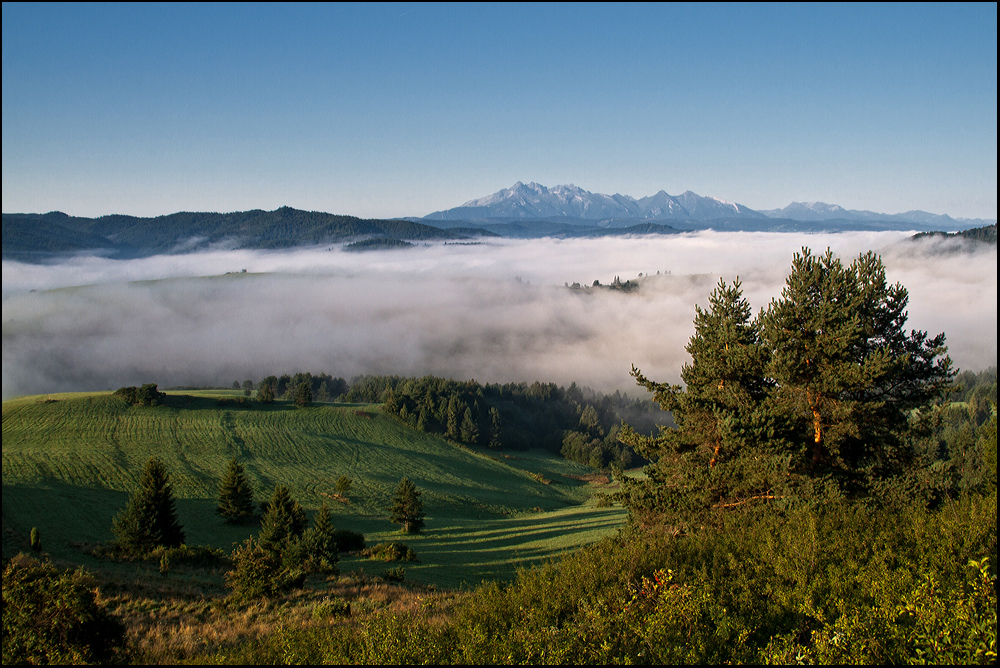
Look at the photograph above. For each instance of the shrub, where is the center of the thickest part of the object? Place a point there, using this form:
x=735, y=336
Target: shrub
x=349, y=541
x=54, y=617
x=390, y=552
x=256, y=572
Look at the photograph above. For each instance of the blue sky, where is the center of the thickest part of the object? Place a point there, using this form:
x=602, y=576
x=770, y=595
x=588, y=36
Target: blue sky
x=391, y=110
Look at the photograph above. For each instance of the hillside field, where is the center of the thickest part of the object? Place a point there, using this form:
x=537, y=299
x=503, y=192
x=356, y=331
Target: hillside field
x=71, y=460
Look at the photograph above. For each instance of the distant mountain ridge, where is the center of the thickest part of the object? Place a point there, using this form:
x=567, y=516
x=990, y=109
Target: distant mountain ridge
x=534, y=201
x=33, y=236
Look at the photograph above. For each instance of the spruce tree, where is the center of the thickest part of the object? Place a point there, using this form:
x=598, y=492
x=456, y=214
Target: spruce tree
x=407, y=510
x=303, y=394
x=283, y=520
x=236, y=503
x=150, y=518
x=718, y=453
x=321, y=542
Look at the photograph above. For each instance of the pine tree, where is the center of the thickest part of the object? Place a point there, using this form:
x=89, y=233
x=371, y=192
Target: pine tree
x=718, y=452
x=150, y=518
x=848, y=373
x=495, y=439
x=303, y=394
x=470, y=431
x=236, y=495
x=407, y=510
x=321, y=543
x=283, y=520
x=821, y=389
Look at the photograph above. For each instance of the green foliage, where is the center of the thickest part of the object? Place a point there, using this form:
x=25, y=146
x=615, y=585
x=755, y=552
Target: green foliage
x=390, y=552
x=343, y=485
x=236, y=502
x=818, y=397
x=303, y=394
x=147, y=395
x=36, y=540
x=53, y=617
x=150, y=518
x=283, y=520
x=407, y=509
x=265, y=394
x=256, y=574
x=348, y=541
x=320, y=543
x=848, y=374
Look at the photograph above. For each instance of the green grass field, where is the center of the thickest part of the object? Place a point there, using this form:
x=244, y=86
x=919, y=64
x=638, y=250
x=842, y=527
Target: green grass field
x=70, y=462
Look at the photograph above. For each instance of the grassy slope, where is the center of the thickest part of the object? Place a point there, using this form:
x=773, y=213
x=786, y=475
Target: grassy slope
x=69, y=462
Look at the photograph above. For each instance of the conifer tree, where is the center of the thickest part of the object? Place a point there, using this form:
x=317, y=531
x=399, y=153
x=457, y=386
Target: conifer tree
x=848, y=373
x=283, y=520
x=820, y=389
x=407, y=510
x=303, y=394
x=470, y=431
x=236, y=503
x=321, y=542
x=721, y=415
x=150, y=518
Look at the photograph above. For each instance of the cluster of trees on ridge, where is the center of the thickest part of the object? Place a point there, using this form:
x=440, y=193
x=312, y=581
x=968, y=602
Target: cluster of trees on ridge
x=578, y=423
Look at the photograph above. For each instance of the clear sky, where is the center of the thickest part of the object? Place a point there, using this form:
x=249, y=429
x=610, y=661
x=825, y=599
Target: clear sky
x=392, y=110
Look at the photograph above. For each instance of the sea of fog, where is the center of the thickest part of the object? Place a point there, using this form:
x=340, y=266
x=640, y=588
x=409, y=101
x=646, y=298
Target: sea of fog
x=497, y=311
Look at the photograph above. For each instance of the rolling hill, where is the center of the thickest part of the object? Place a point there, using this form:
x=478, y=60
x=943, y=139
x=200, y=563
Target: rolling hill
x=70, y=462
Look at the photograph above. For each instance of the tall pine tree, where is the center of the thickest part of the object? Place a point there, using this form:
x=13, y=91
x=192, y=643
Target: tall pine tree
x=236, y=495
x=283, y=520
x=407, y=509
x=150, y=518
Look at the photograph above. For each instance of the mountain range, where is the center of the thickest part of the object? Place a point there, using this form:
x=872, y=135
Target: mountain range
x=569, y=203
x=522, y=211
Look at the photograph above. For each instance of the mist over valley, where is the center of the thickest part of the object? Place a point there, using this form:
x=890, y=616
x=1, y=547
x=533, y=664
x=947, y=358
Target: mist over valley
x=498, y=310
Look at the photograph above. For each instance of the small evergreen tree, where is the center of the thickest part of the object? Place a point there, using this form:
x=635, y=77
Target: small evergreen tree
x=321, y=542
x=303, y=394
x=236, y=495
x=283, y=521
x=265, y=394
x=343, y=485
x=150, y=518
x=407, y=510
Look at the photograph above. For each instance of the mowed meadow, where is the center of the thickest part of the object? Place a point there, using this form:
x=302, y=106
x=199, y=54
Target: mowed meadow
x=70, y=462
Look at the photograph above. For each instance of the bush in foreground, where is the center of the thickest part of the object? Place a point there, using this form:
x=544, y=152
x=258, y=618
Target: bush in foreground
x=53, y=617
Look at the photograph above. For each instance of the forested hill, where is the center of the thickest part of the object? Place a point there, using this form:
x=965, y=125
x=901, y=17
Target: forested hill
x=986, y=234
x=29, y=236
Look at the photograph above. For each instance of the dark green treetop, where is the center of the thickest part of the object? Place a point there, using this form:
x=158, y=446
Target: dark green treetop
x=848, y=374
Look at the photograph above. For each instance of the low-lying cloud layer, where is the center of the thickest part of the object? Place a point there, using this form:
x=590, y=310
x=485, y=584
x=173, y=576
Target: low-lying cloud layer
x=496, y=312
